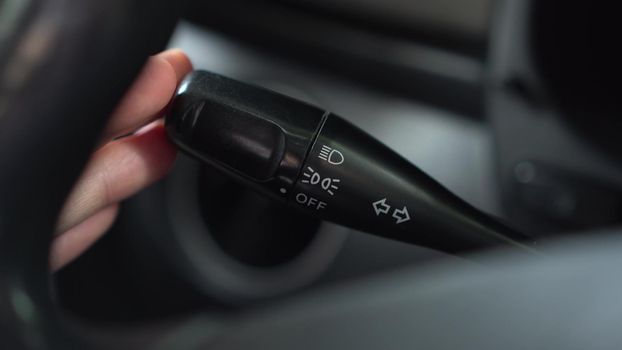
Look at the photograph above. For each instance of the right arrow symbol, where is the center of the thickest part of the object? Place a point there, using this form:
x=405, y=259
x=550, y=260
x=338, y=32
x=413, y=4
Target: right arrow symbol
x=401, y=215
x=381, y=207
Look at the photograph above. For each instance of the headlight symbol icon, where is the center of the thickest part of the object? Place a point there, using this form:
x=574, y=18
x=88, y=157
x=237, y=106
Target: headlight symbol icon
x=331, y=155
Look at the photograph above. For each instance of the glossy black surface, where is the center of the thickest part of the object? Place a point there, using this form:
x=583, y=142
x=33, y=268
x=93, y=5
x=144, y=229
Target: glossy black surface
x=219, y=131
x=251, y=133
x=341, y=174
x=354, y=180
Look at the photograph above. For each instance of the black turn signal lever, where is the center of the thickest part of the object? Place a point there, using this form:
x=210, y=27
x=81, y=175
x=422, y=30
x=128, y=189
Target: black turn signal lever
x=316, y=161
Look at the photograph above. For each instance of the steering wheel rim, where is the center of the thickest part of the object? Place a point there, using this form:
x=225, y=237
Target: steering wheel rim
x=63, y=67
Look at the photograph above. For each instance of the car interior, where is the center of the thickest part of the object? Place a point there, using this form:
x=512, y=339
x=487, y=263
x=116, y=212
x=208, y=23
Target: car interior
x=511, y=105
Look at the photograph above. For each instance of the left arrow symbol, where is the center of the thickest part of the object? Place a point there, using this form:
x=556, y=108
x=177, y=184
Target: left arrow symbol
x=381, y=207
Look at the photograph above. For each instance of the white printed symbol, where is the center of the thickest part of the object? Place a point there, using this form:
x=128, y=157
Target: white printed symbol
x=330, y=155
x=381, y=207
x=310, y=201
x=313, y=177
x=401, y=215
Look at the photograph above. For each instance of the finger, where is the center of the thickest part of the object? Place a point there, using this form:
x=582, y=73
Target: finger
x=179, y=61
x=69, y=245
x=149, y=94
x=117, y=171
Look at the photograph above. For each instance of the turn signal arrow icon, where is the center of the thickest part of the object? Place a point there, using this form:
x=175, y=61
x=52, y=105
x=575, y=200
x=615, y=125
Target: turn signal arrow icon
x=401, y=215
x=381, y=207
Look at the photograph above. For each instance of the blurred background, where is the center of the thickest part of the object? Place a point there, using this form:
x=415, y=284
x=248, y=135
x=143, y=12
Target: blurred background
x=510, y=104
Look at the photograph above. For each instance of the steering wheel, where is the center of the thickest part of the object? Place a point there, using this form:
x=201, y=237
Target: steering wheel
x=64, y=64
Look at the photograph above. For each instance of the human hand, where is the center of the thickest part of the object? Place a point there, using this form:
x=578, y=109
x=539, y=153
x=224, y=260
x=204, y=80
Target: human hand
x=121, y=167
